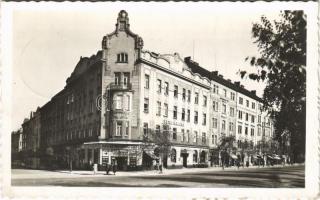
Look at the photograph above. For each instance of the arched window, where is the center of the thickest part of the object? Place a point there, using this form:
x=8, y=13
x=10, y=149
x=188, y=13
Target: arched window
x=195, y=156
x=122, y=58
x=173, y=155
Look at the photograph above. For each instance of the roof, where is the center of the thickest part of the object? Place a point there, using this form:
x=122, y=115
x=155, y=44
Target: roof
x=195, y=68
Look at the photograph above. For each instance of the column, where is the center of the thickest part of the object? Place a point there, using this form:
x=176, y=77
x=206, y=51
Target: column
x=100, y=155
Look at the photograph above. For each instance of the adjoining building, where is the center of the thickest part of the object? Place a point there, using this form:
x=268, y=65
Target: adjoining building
x=116, y=102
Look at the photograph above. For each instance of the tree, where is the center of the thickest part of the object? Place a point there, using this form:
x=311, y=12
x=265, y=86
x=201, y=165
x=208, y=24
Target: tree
x=282, y=66
x=159, y=140
x=225, y=147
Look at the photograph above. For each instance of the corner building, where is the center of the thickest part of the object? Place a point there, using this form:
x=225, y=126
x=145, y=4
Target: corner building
x=115, y=98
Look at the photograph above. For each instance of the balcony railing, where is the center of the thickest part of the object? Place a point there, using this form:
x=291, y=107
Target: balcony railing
x=120, y=86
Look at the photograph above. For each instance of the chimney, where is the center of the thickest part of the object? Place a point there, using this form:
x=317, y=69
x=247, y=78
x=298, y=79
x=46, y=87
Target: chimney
x=237, y=83
x=215, y=73
x=187, y=59
x=220, y=76
x=253, y=92
x=241, y=86
x=229, y=80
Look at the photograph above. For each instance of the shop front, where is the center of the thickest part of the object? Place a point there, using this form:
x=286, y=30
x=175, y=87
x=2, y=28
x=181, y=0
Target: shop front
x=126, y=155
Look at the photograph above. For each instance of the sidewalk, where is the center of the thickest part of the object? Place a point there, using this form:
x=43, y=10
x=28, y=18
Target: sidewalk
x=165, y=171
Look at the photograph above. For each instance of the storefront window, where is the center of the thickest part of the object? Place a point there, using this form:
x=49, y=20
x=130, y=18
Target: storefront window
x=173, y=155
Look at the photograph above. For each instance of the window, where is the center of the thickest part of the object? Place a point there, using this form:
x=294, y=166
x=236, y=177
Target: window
x=216, y=89
x=260, y=107
x=204, y=137
x=174, y=133
x=259, y=131
x=204, y=101
x=252, y=131
x=158, y=85
x=215, y=106
x=195, y=136
x=188, y=136
x=253, y=105
x=188, y=115
x=126, y=102
x=259, y=119
x=252, y=118
x=183, y=113
x=166, y=130
x=214, y=122
x=189, y=96
x=224, y=108
x=126, y=78
x=225, y=92
x=157, y=129
x=122, y=58
x=183, y=137
x=204, y=119
x=212, y=139
x=246, y=130
x=117, y=78
x=233, y=96
x=118, y=128
x=126, y=128
x=175, y=92
x=240, y=114
x=175, y=111
x=158, y=108
x=231, y=111
x=247, y=117
x=173, y=155
x=240, y=100
x=146, y=105
x=145, y=129
x=196, y=117
x=239, y=129
x=118, y=102
x=195, y=156
x=166, y=88
x=183, y=94
x=230, y=126
x=165, y=109
x=147, y=81
x=247, y=101
x=223, y=125
x=92, y=105
x=196, y=98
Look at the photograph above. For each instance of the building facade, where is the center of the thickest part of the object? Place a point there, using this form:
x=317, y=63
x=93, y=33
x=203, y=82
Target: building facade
x=116, y=102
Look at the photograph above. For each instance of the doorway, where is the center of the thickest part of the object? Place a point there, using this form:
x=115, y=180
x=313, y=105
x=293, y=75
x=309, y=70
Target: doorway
x=184, y=159
x=122, y=163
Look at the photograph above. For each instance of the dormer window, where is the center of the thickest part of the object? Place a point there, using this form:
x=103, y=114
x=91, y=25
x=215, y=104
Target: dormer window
x=122, y=58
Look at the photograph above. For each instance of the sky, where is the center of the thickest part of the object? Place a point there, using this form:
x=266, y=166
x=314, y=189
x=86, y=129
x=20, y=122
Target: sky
x=48, y=43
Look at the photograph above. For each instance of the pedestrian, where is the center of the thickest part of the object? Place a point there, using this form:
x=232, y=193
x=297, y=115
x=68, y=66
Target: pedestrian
x=160, y=168
x=114, y=168
x=238, y=163
x=107, y=168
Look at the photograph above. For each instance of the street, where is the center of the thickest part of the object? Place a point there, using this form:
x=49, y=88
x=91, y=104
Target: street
x=274, y=177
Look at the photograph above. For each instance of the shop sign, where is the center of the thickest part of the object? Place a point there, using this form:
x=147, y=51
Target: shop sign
x=174, y=123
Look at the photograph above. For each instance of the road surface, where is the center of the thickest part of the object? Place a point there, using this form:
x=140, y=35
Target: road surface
x=276, y=177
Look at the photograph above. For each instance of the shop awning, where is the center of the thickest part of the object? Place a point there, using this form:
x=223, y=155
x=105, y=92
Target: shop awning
x=276, y=157
x=270, y=157
x=233, y=156
x=151, y=155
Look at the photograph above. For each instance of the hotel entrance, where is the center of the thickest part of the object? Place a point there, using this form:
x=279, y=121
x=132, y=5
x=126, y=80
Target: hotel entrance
x=122, y=163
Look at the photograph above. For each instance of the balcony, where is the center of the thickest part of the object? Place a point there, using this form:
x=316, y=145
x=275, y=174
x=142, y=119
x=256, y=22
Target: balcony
x=120, y=86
